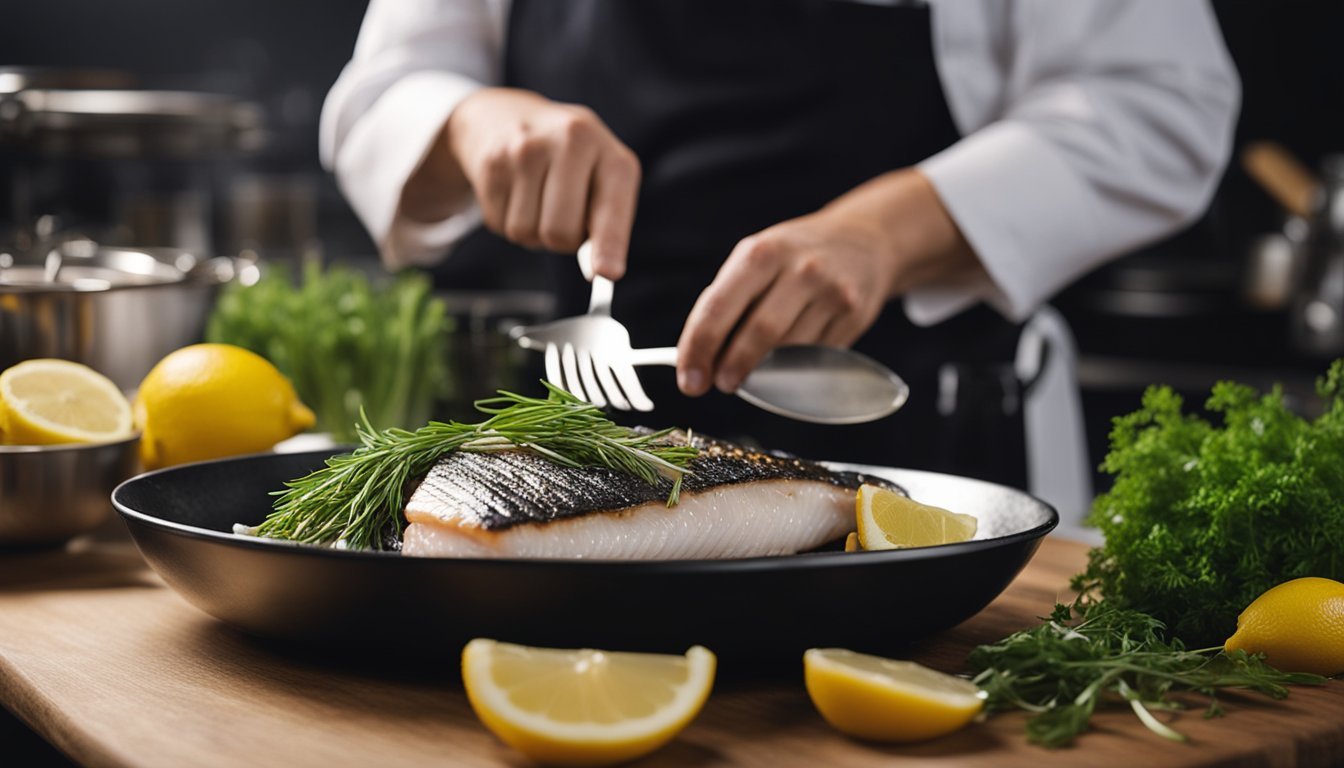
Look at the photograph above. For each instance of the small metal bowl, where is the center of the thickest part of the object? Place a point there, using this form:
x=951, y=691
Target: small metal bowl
x=52, y=493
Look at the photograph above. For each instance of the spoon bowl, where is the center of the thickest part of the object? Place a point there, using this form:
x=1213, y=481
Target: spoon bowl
x=824, y=385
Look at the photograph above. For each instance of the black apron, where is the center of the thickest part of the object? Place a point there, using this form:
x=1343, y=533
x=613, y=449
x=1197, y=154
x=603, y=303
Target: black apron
x=746, y=113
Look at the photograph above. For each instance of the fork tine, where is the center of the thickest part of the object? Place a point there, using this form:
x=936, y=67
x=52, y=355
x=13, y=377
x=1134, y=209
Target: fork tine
x=602, y=366
x=585, y=363
x=569, y=361
x=553, y=373
x=625, y=373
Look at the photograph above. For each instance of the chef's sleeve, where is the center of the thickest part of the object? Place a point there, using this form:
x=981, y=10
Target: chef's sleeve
x=414, y=61
x=1113, y=129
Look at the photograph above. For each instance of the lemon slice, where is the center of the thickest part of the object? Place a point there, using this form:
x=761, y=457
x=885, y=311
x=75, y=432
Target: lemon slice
x=890, y=520
x=58, y=401
x=870, y=697
x=584, y=707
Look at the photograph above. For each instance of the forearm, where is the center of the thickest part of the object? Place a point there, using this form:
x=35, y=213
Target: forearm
x=413, y=64
x=438, y=187
x=915, y=232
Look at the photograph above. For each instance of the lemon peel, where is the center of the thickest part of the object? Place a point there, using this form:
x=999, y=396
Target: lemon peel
x=207, y=401
x=1298, y=626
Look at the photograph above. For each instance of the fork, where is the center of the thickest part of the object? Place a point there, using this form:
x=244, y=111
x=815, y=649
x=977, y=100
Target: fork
x=590, y=355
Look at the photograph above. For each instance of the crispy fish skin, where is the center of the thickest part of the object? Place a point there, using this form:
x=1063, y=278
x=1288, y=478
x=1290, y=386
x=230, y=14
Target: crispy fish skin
x=734, y=503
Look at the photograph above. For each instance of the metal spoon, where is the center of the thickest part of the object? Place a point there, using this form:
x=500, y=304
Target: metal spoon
x=825, y=385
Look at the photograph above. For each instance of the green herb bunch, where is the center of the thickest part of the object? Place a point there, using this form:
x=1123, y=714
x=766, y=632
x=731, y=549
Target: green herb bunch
x=348, y=343
x=1202, y=519
x=356, y=500
x=1091, y=653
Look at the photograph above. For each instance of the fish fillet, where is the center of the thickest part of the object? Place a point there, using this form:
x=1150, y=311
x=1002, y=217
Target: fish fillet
x=734, y=503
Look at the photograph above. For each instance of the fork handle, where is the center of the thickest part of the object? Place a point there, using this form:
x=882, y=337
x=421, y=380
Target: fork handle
x=600, y=301
x=655, y=356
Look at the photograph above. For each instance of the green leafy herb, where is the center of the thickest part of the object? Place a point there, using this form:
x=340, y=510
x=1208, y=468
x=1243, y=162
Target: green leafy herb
x=357, y=498
x=1090, y=653
x=349, y=344
x=1202, y=519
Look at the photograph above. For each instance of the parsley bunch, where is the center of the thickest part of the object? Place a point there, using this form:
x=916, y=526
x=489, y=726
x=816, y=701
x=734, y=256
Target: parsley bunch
x=1203, y=518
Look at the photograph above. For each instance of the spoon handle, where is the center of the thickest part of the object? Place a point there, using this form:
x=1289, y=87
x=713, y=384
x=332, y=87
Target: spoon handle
x=655, y=356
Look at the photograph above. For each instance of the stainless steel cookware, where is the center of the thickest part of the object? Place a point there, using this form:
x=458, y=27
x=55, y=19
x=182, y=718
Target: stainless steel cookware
x=51, y=493
x=117, y=310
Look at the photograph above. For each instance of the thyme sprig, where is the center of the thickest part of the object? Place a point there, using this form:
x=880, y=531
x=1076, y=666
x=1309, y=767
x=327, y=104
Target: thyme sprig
x=356, y=500
x=1092, y=652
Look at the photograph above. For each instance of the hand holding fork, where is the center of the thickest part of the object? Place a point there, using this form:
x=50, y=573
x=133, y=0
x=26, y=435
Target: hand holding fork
x=590, y=356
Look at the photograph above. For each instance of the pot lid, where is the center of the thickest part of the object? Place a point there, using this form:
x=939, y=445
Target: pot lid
x=127, y=123
x=83, y=266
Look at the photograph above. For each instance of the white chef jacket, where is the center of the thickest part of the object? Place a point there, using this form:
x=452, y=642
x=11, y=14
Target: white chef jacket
x=1090, y=127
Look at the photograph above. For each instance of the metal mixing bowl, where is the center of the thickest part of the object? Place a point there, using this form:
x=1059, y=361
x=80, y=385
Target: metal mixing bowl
x=52, y=493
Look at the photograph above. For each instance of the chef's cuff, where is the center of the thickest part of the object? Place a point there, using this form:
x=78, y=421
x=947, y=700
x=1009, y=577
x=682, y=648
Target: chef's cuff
x=1022, y=209
x=382, y=151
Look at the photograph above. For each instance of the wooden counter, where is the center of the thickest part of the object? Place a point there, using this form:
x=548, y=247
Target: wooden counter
x=101, y=659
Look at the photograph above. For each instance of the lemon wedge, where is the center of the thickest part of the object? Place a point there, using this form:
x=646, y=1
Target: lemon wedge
x=584, y=707
x=870, y=697
x=48, y=401
x=890, y=520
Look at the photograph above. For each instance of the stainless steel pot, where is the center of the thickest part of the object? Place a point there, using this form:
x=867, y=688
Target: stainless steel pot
x=51, y=493
x=117, y=310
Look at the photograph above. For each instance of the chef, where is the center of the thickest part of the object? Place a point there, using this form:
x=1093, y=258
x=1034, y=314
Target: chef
x=910, y=179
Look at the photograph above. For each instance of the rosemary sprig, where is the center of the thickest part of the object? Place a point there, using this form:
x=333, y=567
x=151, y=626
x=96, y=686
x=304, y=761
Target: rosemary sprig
x=1092, y=652
x=356, y=500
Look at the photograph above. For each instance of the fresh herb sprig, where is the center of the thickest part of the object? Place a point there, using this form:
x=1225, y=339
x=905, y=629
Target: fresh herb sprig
x=1091, y=652
x=356, y=500
x=348, y=342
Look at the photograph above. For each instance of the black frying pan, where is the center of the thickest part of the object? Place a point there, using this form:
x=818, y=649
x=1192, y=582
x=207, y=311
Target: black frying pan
x=759, y=608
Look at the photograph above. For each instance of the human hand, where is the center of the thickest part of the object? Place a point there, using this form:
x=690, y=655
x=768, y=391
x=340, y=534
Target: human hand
x=822, y=278
x=546, y=174
x=811, y=280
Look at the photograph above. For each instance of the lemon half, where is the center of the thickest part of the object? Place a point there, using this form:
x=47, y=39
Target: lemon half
x=48, y=401
x=890, y=520
x=584, y=707
x=870, y=697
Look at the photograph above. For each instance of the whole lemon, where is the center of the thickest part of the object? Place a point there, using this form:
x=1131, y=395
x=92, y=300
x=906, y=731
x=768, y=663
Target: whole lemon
x=1298, y=625
x=212, y=400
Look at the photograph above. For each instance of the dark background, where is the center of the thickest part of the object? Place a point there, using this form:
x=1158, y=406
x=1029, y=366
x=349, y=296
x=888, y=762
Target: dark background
x=285, y=55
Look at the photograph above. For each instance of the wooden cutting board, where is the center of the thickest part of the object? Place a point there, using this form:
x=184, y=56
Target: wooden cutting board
x=101, y=659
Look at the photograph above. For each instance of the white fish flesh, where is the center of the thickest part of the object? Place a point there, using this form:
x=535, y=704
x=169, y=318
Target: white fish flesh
x=734, y=503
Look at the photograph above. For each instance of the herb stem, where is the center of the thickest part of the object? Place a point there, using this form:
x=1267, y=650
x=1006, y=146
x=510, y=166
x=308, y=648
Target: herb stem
x=1146, y=717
